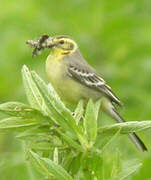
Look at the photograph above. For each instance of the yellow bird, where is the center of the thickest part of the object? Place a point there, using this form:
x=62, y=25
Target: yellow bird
x=74, y=79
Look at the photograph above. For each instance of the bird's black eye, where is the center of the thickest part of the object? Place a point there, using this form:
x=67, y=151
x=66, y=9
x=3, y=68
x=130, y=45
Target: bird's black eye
x=61, y=42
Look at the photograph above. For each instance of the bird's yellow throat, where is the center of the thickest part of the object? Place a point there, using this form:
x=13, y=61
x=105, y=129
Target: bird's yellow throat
x=56, y=53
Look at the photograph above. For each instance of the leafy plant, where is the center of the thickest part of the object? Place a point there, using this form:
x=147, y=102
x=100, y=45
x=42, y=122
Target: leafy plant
x=60, y=144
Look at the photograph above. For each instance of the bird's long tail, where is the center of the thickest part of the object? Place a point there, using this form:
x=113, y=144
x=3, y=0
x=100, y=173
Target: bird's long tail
x=111, y=111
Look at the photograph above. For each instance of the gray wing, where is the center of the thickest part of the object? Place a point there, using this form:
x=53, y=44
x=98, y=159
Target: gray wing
x=87, y=76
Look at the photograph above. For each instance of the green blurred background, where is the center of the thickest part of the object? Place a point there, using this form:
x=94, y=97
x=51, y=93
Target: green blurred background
x=114, y=36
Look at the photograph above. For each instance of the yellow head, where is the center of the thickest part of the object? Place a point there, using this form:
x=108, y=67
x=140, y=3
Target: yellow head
x=61, y=45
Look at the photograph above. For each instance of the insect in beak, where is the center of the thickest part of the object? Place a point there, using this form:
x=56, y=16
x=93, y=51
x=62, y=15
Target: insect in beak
x=44, y=42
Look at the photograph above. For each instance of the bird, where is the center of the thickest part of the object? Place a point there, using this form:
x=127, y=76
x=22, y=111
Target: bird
x=74, y=79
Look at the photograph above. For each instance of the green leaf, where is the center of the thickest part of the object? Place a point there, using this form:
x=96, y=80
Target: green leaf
x=55, y=156
x=58, y=111
x=35, y=133
x=126, y=127
x=16, y=123
x=76, y=164
x=97, y=107
x=90, y=122
x=116, y=169
x=67, y=159
x=44, y=146
x=111, y=140
x=48, y=168
x=33, y=95
x=78, y=113
x=129, y=171
x=55, y=107
x=33, y=137
x=22, y=110
x=42, y=141
x=70, y=141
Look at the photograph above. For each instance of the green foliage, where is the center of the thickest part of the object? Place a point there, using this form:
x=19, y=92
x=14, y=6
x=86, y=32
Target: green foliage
x=90, y=121
x=48, y=167
x=62, y=145
x=113, y=36
x=125, y=128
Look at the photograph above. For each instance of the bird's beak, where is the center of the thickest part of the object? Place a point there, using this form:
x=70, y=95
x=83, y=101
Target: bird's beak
x=50, y=43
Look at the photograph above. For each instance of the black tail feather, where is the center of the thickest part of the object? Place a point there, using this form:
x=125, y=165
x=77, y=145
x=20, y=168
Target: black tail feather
x=133, y=137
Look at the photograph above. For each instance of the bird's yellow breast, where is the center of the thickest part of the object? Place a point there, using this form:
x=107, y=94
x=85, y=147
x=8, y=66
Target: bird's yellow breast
x=68, y=89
